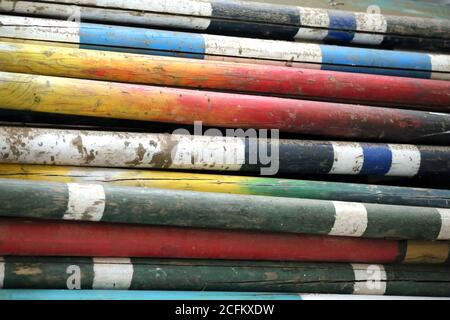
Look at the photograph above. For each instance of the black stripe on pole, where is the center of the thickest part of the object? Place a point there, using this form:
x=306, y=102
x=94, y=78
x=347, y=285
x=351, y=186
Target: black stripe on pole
x=309, y=157
x=279, y=22
x=432, y=158
x=401, y=253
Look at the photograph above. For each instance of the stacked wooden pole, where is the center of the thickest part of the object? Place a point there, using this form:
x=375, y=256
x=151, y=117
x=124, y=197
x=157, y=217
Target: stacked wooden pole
x=356, y=138
x=251, y=20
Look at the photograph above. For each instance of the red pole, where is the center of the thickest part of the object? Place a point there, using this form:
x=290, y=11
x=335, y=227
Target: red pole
x=48, y=238
x=296, y=81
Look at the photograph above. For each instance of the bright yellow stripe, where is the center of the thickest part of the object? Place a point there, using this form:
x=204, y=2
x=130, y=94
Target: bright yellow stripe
x=427, y=252
x=120, y=177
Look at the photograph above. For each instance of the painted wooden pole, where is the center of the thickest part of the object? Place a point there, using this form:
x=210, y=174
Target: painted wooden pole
x=212, y=275
x=215, y=58
x=48, y=294
x=424, y=9
x=201, y=46
x=137, y=102
x=219, y=153
x=55, y=238
x=252, y=20
x=96, y=202
x=232, y=184
x=411, y=93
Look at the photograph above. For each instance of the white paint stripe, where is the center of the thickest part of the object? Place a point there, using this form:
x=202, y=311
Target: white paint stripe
x=39, y=29
x=348, y=158
x=63, y=11
x=350, y=219
x=313, y=17
x=311, y=34
x=367, y=38
x=206, y=153
x=375, y=23
x=405, y=160
x=112, y=273
x=262, y=49
x=440, y=76
x=188, y=7
x=87, y=148
x=118, y=149
x=2, y=272
x=369, y=279
x=86, y=202
x=60, y=11
x=440, y=62
x=444, y=234
x=440, y=114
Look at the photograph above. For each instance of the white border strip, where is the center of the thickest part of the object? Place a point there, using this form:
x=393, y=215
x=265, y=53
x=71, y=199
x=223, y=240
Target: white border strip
x=85, y=202
x=350, y=219
x=369, y=279
x=2, y=272
x=112, y=273
x=444, y=233
x=348, y=158
x=39, y=29
x=406, y=160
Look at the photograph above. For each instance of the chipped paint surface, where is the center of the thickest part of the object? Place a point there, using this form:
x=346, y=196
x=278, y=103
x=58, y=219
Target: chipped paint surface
x=138, y=102
x=246, y=276
x=109, y=149
x=201, y=46
x=256, y=20
x=229, y=211
x=231, y=184
x=86, y=202
x=46, y=59
x=147, y=150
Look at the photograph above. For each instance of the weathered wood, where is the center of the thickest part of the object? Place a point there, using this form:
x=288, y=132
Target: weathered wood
x=46, y=294
x=233, y=184
x=427, y=9
x=424, y=9
x=138, y=102
x=254, y=20
x=46, y=238
x=96, y=202
x=211, y=275
x=143, y=69
x=220, y=153
x=202, y=46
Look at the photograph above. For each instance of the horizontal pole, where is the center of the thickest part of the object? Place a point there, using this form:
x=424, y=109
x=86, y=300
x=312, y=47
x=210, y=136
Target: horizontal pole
x=257, y=19
x=182, y=106
x=215, y=58
x=218, y=153
x=97, y=202
x=201, y=46
x=48, y=60
x=54, y=238
x=48, y=294
x=424, y=9
x=233, y=184
x=212, y=275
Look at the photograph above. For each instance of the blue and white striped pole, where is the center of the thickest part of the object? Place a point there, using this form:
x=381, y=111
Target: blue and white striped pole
x=205, y=46
x=251, y=19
